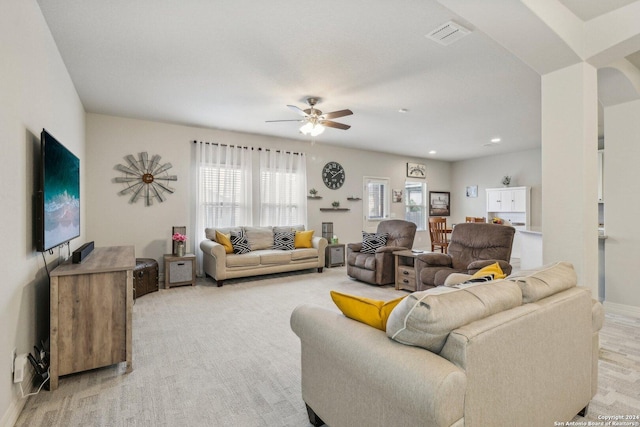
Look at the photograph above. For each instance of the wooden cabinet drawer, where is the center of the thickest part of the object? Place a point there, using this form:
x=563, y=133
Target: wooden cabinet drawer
x=406, y=278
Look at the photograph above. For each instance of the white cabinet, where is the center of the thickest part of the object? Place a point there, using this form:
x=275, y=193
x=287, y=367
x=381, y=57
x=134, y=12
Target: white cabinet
x=511, y=204
x=507, y=199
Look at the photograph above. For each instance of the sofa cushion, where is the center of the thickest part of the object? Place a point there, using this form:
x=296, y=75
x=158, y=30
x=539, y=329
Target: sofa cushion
x=250, y=259
x=210, y=233
x=283, y=240
x=274, y=256
x=240, y=243
x=299, y=227
x=545, y=281
x=304, y=253
x=360, y=260
x=259, y=237
x=224, y=240
x=372, y=241
x=425, y=319
x=303, y=239
x=368, y=311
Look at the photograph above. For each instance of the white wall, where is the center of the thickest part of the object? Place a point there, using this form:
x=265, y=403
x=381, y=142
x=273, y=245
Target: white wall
x=621, y=207
x=524, y=167
x=112, y=220
x=35, y=92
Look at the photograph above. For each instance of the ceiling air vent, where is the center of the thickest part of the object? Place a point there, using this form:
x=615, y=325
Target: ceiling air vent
x=448, y=33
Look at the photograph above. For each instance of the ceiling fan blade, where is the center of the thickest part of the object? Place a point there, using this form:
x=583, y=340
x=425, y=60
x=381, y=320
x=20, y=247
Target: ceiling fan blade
x=271, y=121
x=329, y=123
x=336, y=114
x=298, y=110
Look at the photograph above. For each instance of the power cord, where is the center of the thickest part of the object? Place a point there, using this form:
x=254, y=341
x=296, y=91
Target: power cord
x=39, y=388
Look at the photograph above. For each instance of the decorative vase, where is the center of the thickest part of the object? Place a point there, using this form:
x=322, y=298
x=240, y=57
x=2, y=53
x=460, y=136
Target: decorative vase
x=180, y=249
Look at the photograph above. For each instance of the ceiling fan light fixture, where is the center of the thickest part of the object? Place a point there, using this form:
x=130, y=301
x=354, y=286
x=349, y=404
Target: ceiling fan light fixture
x=306, y=128
x=311, y=128
x=317, y=130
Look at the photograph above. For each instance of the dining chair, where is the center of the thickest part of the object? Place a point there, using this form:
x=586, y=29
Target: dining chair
x=438, y=234
x=475, y=219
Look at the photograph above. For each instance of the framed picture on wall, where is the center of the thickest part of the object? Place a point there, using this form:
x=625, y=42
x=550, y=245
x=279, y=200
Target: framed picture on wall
x=396, y=196
x=472, y=191
x=439, y=203
x=416, y=170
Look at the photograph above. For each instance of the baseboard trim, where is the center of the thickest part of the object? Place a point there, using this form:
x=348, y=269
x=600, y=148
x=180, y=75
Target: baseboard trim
x=626, y=310
x=15, y=409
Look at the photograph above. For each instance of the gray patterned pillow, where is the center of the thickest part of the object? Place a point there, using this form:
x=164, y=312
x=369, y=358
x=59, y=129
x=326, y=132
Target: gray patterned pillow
x=373, y=241
x=284, y=240
x=240, y=243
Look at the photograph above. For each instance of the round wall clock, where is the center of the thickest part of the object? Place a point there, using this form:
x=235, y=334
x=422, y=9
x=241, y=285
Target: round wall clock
x=333, y=175
x=145, y=179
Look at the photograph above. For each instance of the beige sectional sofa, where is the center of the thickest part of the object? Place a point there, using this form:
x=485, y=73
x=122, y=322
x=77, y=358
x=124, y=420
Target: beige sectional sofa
x=517, y=352
x=262, y=259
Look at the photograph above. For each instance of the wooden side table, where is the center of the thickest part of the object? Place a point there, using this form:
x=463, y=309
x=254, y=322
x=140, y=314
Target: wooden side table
x=334, y=255
x=179, y=270
x=406, y=270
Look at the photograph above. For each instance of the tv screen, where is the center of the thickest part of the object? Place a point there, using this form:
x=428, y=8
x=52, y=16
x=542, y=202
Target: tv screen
x=58, y=198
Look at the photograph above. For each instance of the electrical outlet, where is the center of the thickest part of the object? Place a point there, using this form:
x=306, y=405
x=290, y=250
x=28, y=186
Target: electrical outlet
x=13, y=360
x=20, y=368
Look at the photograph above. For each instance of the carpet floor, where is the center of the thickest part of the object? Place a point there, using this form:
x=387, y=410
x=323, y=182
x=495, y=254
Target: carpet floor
x=209, y=356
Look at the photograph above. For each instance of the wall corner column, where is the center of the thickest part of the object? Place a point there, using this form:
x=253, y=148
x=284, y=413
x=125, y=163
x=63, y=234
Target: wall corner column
x=569, y=170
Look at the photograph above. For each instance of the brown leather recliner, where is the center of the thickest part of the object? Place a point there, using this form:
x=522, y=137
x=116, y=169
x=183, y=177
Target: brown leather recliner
x=379, y=268
x=472, y=247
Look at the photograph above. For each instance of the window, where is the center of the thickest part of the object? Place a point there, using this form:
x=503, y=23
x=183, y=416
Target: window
x=223, y=208
x=224, y=196
x=376, y=200
x=283, y=183
x=416, y=203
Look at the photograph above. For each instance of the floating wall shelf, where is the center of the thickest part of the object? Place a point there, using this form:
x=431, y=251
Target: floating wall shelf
x=314, y=197
x=354, y=199
x=334, y=209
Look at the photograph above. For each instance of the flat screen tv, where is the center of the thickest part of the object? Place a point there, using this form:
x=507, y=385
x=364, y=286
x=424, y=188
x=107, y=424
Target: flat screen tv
x=58, y=195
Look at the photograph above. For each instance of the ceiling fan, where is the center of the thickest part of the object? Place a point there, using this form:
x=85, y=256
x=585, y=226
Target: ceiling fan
x=315, y=121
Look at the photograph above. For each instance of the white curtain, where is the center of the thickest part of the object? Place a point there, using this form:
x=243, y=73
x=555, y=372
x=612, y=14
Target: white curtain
x=283, y=188
x=223, y=189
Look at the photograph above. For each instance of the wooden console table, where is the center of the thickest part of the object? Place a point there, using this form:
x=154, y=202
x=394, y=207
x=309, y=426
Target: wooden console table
x=92, y=312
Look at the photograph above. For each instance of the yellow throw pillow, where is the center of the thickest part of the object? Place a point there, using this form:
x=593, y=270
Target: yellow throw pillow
x=224, y=240
x=490, y=269
x=368, y=311
x=303, y=239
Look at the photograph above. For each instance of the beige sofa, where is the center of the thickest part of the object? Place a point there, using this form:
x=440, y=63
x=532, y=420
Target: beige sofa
x=262, y=259
x=529, y=365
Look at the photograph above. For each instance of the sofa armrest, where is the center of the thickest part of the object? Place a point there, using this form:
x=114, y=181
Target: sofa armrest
x=391, y=249
x=433, y=259
x=212, y=248
x=320, y=243
x=348, y=368
x=355, y=247
x=216, y=252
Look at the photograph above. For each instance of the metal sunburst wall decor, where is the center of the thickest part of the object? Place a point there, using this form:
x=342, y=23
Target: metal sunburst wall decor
x=145, y=179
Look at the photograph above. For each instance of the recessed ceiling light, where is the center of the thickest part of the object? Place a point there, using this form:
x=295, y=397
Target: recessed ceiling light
x=402, y=110
x=495, y=140
x=432, y=152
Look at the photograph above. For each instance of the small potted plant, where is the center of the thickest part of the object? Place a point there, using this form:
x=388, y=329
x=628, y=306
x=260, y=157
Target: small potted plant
x=180, y=239
x=335, y=205
x=313, y=192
